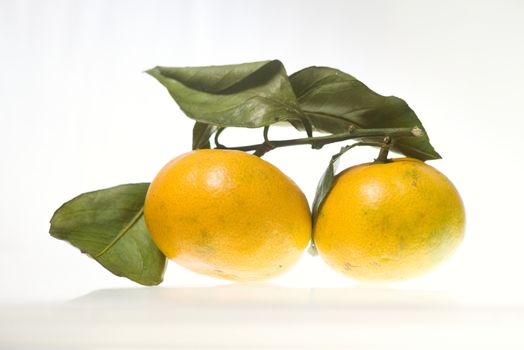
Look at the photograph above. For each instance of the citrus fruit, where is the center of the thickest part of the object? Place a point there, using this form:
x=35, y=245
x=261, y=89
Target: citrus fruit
x=228, y=214
x=388, y=221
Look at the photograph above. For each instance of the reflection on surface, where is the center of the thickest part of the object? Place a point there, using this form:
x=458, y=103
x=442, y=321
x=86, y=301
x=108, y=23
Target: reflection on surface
x=266, y=294
x=262, y=316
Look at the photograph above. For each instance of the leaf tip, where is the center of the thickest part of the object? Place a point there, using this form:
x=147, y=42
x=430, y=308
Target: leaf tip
x=152, y=71
x=312, y=250
x=437, y=156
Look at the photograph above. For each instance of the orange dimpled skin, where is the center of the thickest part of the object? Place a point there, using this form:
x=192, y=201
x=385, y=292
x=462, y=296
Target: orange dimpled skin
x=389, y=221
x=228, y=214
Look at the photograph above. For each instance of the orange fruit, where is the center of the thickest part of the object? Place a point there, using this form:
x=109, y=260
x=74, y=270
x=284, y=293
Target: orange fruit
x=228, y=214
x=388, y=221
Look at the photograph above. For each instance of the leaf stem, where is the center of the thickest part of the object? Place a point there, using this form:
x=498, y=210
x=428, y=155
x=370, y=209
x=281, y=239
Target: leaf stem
x=319, y=141
x=384, y=150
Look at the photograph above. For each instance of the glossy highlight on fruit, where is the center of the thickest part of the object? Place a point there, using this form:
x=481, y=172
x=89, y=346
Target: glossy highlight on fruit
x=389, y=221
x=228, y=214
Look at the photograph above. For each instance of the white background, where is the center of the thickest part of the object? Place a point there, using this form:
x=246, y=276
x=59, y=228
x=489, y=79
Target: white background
x=77, y=114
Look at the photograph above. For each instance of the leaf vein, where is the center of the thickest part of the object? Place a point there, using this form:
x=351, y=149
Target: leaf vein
x=121, y=233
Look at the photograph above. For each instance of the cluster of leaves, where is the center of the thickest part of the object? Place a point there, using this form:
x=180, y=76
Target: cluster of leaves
x=108, y=225
x=254, y=95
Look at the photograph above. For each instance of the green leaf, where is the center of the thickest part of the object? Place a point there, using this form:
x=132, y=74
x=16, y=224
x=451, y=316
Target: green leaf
x=108, y=225
x=201, y=134
x=333, y=101
x=324, y=187
x=242, y=95
x=326, y=181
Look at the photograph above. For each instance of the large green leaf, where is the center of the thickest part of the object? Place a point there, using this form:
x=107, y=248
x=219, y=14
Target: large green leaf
x=108, y=225
x=242, y=95
x=333, y=101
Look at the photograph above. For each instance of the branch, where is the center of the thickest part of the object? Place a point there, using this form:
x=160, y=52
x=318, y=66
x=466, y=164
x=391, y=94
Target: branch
x=319, y=141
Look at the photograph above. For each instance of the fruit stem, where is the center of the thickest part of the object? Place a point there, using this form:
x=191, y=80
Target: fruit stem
x=384, y=150
x=320, y=141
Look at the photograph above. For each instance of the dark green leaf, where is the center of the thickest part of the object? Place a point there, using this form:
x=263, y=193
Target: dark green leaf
x=109, y=226
x=324, y=187
x=201, y=134
x=242, y=95
x=326, y=181
x=333, y=101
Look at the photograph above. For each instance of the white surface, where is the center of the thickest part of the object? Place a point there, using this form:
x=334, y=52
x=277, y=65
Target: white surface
x=77, y=114
x=261, y=317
